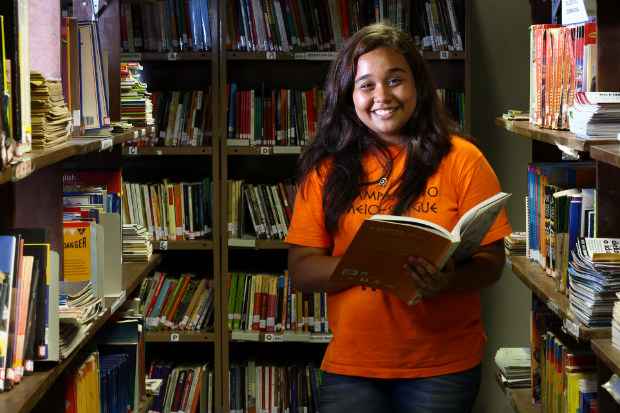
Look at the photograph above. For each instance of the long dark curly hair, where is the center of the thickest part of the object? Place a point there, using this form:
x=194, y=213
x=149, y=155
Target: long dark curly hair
x=342, y=138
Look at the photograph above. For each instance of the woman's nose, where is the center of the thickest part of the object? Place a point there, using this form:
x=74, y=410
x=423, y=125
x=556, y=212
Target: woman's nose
x=382, y=93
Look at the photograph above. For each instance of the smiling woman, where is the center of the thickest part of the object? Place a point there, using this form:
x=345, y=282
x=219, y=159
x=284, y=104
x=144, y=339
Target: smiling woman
x=384, y=144
x=384, y=95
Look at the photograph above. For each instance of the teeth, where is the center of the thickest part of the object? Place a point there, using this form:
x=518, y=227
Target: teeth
x=384, y=112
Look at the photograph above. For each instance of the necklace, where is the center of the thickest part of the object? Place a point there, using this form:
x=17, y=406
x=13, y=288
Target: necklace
x=384, y=179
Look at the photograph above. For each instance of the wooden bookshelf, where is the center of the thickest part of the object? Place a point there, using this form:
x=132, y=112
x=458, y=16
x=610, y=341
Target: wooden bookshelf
x=166, y=56
x=38, y=159
x=173, y=336
x=610, y=154
x=543, y=286
x=286, y=337
x=326, y=56
x=25, y=395
x=259, y=244
x=525, y=129
x=520, y=399
x=607, y=353
x=264, y=150
x=183, y=245
x=167, y=151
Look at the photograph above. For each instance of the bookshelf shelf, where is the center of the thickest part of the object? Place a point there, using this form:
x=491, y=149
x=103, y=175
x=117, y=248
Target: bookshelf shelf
x=543, y=286
x=607, y=353
x=166, y=56
x=256, y=336
x=39, y=159
x=25, y=396
x=183, y=245
x=168, y=151
x=527, y=130
x=326, y=56
x=259, y=244
x=263, y=150
x=179, y=336
x=606, y=153
x=520, y=399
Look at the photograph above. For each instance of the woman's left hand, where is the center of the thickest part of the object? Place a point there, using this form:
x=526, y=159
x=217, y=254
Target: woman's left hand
x=428, y=279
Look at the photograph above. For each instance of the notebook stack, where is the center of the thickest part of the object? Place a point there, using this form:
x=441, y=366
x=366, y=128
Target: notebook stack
x=595, y=115
x=137, y=245
x=51, y=120
x=515, y=245
x=514, y=366
x=594, y=274
x=136, y=105
x=76, y=313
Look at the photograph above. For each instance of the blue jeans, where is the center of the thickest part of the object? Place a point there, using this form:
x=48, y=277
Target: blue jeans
x=451, y=393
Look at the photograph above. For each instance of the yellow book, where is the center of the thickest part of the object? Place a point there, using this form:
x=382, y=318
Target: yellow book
x=79, y=251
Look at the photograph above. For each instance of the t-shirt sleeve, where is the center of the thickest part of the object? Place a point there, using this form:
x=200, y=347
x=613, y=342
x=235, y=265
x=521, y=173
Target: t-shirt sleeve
x=477, y=184
x=307, y=226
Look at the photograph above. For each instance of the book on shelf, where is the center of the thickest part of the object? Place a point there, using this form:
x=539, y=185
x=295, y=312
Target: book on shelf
x=383, y=243
x=262, y=386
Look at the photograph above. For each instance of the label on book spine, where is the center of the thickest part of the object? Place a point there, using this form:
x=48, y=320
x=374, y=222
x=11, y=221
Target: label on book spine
x=571, y=327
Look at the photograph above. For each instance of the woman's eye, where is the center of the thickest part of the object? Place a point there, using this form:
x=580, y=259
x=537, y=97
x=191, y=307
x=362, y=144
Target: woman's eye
x=365, y=86
x=395, y=81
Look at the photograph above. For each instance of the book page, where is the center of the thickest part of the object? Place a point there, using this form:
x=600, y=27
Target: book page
x=475, y=224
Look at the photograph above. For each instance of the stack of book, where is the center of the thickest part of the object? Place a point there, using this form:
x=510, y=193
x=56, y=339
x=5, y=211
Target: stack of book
x=515, y=245
x=77, y=312
x=595, y=115
x=615, y=323
x=136, y=105
x=137, y=245
x=514, y=366
x=51, y=121
x=594, y=272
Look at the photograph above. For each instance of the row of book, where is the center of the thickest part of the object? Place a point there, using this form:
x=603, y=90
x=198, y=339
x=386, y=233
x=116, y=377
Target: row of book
x=183, y=118
x=185, y=387
x=29, y=273
x=165, y=25
x=261, y=211
x=270, y=303
x=292, y=25
x=283, y=117
x=177, y=302
x=560, y=208
x=170, y=210
x=136, y=103
x=262, y=387
x=8, y=144
x=569, y=382
x=562, y=62
x=515, y=245
x=563, y=371
x=111, y=378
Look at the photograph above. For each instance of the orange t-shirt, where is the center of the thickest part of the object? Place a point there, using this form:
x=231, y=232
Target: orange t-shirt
x=375, y=334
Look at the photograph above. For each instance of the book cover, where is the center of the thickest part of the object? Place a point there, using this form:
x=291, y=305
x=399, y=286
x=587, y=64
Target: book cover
x=383, y=243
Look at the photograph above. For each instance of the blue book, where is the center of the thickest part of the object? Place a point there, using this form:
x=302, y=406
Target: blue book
x=8, y=250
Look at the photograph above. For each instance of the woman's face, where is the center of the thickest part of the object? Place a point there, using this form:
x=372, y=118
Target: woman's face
x=384, y=94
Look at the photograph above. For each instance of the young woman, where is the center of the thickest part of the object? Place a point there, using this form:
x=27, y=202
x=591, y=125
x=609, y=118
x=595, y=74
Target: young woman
x=385, y=145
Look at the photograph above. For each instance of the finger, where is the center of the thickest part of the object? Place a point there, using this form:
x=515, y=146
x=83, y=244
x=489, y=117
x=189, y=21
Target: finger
x=418, y=279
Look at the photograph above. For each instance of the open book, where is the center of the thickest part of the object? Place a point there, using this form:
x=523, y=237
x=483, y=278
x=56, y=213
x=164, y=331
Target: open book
x=383, y=243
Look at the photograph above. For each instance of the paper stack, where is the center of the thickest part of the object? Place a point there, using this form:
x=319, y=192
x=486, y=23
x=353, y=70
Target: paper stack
x=615, y=323
x=136, y=105
x=515, y=245
x=595, y=115
x=513, y=366
x=77, y=312
x=51, y=120
x=137, y=245
x=594, y=275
